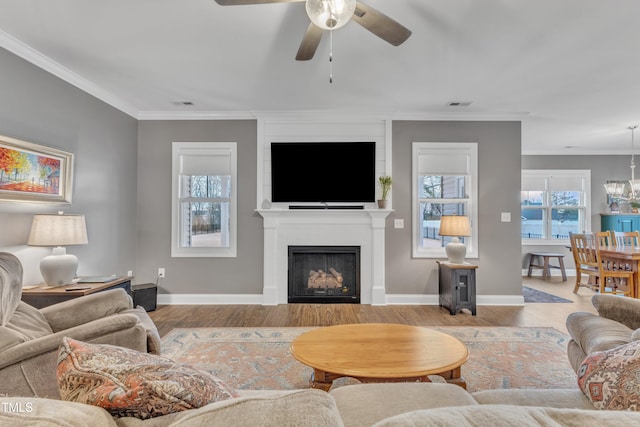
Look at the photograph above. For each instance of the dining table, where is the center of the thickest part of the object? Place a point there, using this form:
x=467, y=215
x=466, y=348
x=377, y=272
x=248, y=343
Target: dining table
x=628, y=255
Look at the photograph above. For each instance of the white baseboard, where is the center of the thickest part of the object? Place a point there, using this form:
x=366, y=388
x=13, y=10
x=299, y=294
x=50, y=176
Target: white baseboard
x=391, y=299
x=412, y=299
x=417, y=299
x=209, y=299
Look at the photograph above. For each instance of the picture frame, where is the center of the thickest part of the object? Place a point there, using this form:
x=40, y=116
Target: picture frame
x=34, y=173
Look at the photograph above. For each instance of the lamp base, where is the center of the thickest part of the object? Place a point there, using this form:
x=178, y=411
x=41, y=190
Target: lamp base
x=59, y=268
x=456, y=251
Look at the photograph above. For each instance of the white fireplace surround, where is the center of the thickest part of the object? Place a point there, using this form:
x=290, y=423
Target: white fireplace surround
x=285, y=227
x=325, y=227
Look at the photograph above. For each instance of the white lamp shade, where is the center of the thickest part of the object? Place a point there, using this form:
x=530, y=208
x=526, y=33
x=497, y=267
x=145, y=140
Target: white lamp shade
x=330, y=14
x=58, y=230
x=455, y=225
x=59, y=268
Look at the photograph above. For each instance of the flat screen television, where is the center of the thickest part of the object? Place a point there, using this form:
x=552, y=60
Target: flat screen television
x=323, y=172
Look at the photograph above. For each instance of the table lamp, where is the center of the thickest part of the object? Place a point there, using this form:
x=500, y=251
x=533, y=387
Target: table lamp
x=59, y=268
x=455, y=226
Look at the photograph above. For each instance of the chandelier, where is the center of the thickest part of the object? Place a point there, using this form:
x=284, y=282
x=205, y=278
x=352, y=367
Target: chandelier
x=630, y=190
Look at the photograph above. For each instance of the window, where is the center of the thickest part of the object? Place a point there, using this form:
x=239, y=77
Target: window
x=203, y=222
x=445, y=182
x=554, y=203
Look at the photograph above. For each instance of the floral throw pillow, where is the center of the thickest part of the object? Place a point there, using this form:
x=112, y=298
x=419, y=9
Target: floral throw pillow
x=128, y=383
x=611, y=379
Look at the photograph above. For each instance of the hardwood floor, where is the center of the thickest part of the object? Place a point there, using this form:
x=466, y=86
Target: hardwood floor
x=531, y=314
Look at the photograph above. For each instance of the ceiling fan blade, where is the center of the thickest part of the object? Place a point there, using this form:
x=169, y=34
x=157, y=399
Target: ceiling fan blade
x=380, y=24
x=309, y=43
x=242, y=2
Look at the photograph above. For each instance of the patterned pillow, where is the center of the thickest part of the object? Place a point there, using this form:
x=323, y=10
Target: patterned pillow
x=133, y=384
x=611, y=378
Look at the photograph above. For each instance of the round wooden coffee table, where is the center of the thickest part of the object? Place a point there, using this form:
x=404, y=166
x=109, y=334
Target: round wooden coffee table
x=379, y=352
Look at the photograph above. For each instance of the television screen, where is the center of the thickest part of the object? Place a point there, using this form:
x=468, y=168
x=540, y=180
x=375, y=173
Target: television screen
x=323, y=172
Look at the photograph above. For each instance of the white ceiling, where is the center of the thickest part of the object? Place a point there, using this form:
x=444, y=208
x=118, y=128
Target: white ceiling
x=569, y=69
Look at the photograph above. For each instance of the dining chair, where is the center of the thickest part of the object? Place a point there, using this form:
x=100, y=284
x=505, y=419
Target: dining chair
x=585, y=257
x=627, y=238
x=616, y=276
x=606, y=238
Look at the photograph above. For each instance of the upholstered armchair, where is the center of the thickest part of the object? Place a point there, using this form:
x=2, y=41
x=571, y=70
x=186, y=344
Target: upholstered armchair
x=30, y=338
x=617, y=323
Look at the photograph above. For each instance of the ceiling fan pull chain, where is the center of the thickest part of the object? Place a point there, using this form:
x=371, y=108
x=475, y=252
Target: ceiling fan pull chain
x=331, y=56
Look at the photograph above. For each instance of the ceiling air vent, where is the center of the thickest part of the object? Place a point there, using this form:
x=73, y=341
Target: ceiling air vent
x=459, y=103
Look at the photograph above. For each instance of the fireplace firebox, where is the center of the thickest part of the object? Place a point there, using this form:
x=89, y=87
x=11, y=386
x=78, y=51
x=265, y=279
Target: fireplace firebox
x=324, y=274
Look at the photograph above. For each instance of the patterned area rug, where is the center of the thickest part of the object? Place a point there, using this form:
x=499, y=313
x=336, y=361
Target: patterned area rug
x=258, y=358
x=534, y=295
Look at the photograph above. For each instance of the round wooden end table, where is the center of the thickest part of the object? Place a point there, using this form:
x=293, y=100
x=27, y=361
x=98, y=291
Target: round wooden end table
x=379, y=352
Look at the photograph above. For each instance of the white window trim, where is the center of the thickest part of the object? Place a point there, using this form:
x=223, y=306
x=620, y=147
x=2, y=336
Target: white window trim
x=179, y=148
x=585, y=175
x=468, y=148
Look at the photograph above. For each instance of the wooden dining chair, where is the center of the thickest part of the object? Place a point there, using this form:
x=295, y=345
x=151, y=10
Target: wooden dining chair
x=585, y=257
x=627, y=238
x=616, y=276
x=606, y=238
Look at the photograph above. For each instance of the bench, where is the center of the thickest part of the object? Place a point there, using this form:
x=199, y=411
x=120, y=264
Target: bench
x=534, y=262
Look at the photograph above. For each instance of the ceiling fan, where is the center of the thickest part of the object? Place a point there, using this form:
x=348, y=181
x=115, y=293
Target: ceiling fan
x=333, y=14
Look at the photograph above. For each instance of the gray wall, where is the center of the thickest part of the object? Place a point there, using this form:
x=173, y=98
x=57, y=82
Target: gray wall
x=40, y=108
x=603, y=168
x=123, y=181
x=499, y=156
x=499, y=188
x=240, y=275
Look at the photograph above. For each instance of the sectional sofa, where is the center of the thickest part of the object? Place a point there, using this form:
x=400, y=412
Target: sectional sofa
x=390, y=404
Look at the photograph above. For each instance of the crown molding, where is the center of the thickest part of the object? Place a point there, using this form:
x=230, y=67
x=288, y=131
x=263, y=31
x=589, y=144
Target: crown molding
x=33, y=56
x=196, y=115
x=334, y=115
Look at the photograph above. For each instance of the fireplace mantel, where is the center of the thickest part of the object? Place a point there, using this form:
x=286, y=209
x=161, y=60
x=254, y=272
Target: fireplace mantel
x=324, y=227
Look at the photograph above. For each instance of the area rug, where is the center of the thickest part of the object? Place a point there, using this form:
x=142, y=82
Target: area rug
x=259, y=358
x=534, y=295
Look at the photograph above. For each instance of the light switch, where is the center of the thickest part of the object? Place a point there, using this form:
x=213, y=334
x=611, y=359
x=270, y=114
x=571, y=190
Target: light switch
x=398, y=223
x=505, y=217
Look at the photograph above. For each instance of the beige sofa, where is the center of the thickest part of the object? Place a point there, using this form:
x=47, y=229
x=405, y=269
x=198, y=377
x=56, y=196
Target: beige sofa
x=616, y=324
x=29, y=342
x=390, y=404
x=30, y=337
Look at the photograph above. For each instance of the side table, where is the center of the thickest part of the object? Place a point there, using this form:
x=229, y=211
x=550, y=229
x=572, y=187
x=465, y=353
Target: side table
x=145, y=295
x=457, y=286
x=44, y=296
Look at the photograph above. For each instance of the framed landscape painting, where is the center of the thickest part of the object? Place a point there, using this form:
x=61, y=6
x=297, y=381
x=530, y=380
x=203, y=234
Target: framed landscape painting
x=33, y=173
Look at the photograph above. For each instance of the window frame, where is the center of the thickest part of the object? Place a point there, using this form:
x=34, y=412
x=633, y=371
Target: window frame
x=468, y=149
x=180, y=149
x=547, y=208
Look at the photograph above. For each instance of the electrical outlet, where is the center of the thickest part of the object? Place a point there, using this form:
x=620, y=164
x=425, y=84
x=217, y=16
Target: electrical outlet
x=505, y=216
x=398, y=223
x=161, y=272
x=130, y=273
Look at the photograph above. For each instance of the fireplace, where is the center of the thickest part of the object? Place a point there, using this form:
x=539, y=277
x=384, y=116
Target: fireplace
x=324, y=274
x=364, y=228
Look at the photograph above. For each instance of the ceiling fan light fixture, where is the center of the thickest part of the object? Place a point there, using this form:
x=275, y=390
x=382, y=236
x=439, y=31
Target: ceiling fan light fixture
x=330, y=14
